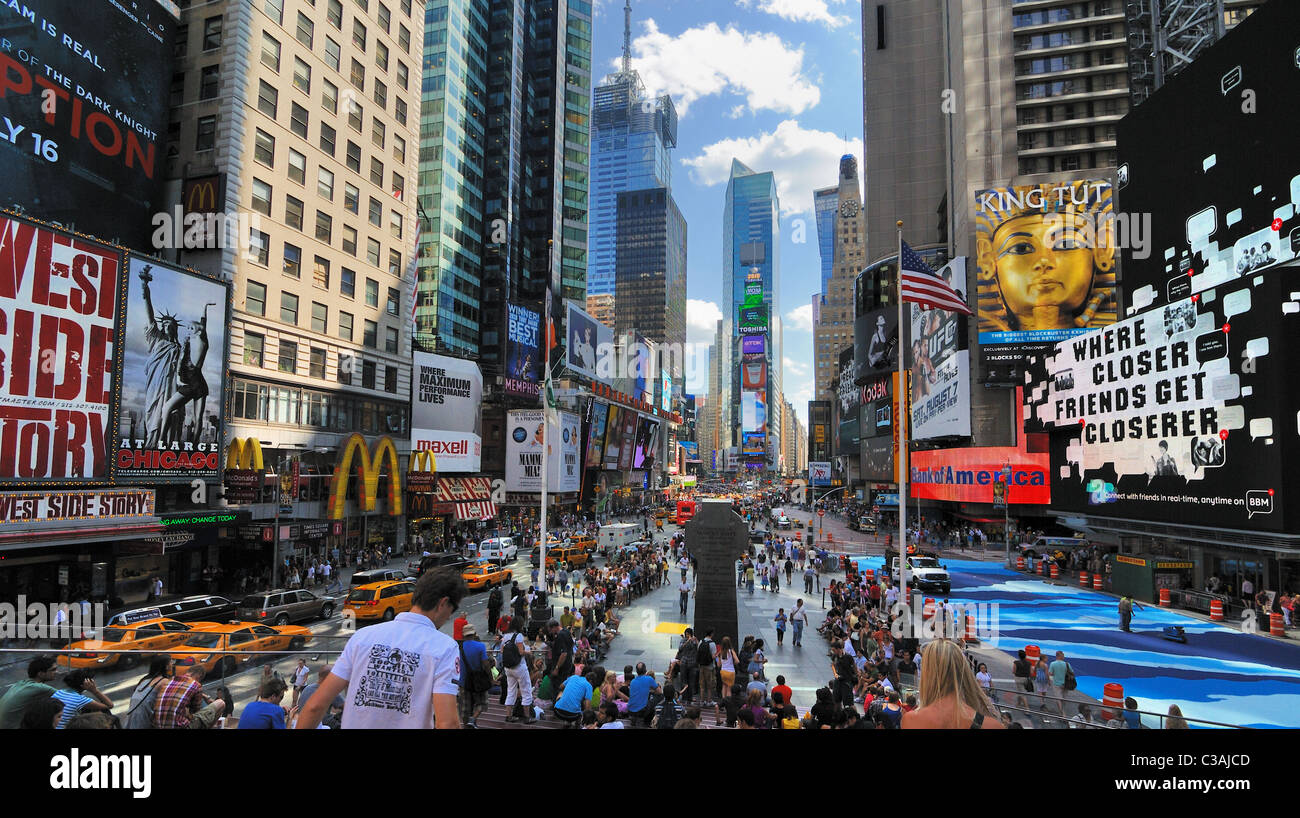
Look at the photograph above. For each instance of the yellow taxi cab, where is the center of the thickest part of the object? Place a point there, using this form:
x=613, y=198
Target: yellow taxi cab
x=585, y=542
x=228, y=647
x=672, y=518
x=380, y=600
x=126, y=644
x=485, y=575
x=660, y=513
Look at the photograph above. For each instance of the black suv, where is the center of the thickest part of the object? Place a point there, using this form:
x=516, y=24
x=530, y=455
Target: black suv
x=444, y=559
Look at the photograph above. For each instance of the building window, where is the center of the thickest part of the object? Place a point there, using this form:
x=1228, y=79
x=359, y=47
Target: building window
x=329, y=98
x=345, y=326
x=376, y=172
x=205, y=138
x=403, y=75
x=381, y=56
x=359, y=35
x=349, y=240
x=211, y=33
x=334, y=13
x=178, y=90
x=351, y=198
x=181, y=45
x=395, y=224
x=316, y=365
x=376, y=212
x=385, y=17
x=327, y=137
x=270, y=52
x=357, y=76
x=399, y=110
x=255, y=298
x=324, y=227
x=288, y=357
x=301, y=76
x=394, y=298
x=348, y=284
x=390, y=379
x=372, y=293
x=292, y=260
x=370, y=335
x=319, y=317
x=380, y=94
x=399, y=151
x=390, y=340
x=293, y=212
x=333, y=56
x=367, y=374
x=354, y=115
x=289, y=308
x=395, y=262
x=261, y=197
x=297, y=166
x=275, y=10
x=298, y=120
x=209, y=81
x=259, y=243
x=353, y=160
x=325, y=184
x=321, y=273
x=403, y=38
x=377, y=132
x=372, y=252
x=267, y=98
x=253, y=346
x=306, y=30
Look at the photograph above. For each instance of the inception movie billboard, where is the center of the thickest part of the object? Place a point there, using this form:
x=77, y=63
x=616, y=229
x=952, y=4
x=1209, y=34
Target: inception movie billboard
x=84, y=90
x=1047, y=258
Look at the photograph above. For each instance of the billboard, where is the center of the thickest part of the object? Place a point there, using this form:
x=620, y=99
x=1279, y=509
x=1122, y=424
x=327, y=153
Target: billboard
x=973, y=475
x=753, y=345
x=60, y=307
x=1046, y=256
x=819, y=430
x=523, y=352
x=524, y=452
x=85, y=96
x=819, y=474
x=875, y=341
x=1177, y=414
x=1232, y=165
x=753, y=412
x=629, y=440
x=647, y=441
x=596, y=435
x=666, y=390
x=447, y=395
x=940, y=367
x=614, y=436
x=169, y=419
x=877, y=459
x=587, y=339
x=753, y=374
x=753, y=319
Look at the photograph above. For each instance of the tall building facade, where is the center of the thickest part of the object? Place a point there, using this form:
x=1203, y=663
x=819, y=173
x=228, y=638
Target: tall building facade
x=833, y=323
x=751, y=249
x=503, y=167
x=826, y=204
x=631, y=136
x=650, y=292
x=309, y=113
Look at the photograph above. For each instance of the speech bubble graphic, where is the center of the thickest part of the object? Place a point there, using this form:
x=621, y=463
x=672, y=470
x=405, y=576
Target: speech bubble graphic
x=1210, y=346
x=1258, y=502
x=1236, y=303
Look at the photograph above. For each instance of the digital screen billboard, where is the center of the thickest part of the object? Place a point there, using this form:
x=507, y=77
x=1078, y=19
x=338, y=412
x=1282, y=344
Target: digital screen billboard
x=753, y=344
x=875, y=341
x=940, y=367
x=628, y=448
x=1209, y=176
x=84, y=96
x=1047, y=269
x=60, y=345
x=523, y=352
x=753, y=319
x=596, y=435
x=753, y=412
x=169, y=427
x=587, y=341
x=819, y=473
x=613, y=437
x=753, y=374
x=647, y=443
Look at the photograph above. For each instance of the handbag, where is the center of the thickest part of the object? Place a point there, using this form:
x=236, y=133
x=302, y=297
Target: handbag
x=1070, y=682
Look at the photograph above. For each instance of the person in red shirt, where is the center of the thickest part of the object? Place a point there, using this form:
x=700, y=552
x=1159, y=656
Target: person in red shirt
x=458, y=627
x=786, y=693
x=503, y=624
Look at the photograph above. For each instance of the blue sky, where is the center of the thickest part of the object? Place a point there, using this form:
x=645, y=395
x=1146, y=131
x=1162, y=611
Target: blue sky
x=774, y=83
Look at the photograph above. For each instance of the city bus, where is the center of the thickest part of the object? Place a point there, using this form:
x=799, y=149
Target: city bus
x=685, y=511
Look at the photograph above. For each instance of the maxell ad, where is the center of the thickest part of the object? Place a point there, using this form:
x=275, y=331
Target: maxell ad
x=174, y=347
x=84, y=95
x=445, y=417
x=60, y=302
x=1175, y=414
x=940, y=368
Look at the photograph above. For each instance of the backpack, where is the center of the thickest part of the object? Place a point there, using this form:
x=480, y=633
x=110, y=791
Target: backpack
x=475, y=681
x=510, y=655
x=704, y=656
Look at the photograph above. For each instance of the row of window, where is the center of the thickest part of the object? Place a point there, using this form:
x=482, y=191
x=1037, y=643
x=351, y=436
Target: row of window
x=1071, y=111
x=1081, y=85
x=261, y=195
x=255, y=304
x=1066, y=136
x=287, y=361
x=327, y=411
x=1068, y=162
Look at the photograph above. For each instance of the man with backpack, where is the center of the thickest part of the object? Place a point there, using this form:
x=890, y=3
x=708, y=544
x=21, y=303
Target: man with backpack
x=704, y=661
x=514, y=660
x=475, y=677
x=494, y=609
x=688, y=664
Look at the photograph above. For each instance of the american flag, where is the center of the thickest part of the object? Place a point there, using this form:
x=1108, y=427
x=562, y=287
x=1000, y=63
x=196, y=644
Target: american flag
x=921, y=285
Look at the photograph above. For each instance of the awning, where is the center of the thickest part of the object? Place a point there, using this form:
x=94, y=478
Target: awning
x=477, y=510
x=461, y=489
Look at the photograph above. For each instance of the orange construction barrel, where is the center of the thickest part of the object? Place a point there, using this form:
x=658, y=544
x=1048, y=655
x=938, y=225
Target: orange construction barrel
x=1083, y=579
x=1096, y=582
x=1216, y=610
x=1275, y=625
x=1112, y=696
x=1032, y=654
x=1042, y=567
x=1056, y=571
x=1165, y=601
x=928, y=612
x=971, y=635
x=870, y=574
x=1020, y=563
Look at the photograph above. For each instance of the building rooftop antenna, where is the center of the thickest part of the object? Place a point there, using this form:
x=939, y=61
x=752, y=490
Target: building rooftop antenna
x=627, y=36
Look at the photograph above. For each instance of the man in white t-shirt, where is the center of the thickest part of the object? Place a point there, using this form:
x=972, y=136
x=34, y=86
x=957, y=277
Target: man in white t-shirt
x=399, y=674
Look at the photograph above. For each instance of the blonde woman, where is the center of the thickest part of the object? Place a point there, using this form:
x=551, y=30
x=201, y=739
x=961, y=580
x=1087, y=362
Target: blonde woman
x=951, y=699
x=727, y=661
x=1175, y=720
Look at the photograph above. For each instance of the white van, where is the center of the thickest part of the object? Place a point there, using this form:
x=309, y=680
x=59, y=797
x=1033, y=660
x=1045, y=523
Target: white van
x=614, y=537
x=498, y=549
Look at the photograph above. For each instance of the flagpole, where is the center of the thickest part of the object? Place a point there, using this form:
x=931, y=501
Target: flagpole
x=546, y=388
x=901, y=420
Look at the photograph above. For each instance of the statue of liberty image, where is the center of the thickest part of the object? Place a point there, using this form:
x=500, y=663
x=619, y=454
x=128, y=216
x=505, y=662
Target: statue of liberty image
x=174, y=379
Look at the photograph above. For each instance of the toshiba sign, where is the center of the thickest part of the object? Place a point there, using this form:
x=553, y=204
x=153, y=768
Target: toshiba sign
x=447, y=394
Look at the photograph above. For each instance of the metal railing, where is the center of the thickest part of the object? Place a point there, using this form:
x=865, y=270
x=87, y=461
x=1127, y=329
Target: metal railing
x=1016, y=693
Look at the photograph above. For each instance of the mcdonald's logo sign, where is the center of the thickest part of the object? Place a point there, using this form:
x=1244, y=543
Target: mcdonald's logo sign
x=421, y=471
x=368, y=464
x=244, y=454
x=244, y=470
x=204, y=194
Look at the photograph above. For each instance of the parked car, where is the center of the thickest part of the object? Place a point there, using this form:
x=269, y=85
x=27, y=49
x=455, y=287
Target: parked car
x=443, y=560
x=200, y=608
x=377, y=575
x=283, y=607
x=498, y=549
x=380, y=600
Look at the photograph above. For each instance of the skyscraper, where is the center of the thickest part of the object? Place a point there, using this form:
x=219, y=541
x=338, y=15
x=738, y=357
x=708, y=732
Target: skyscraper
x=750, y=263
x=826, y=202
x=833, y=322
x=631, y=135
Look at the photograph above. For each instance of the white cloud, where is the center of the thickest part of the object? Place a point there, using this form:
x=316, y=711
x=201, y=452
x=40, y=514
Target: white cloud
x=800, y=319
x=804, y=160
x=701, y=321
x=813, y=11
x=794, y=367
x=707, y=61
